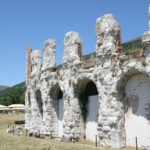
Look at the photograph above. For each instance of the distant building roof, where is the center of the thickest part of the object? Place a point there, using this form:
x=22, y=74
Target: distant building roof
x=2, y=107
x=16, y=106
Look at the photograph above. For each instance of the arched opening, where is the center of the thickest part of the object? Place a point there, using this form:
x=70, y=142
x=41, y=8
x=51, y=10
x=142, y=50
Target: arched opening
x=137, y=109
x=89, y=104
x=58, y=114
x=39, y=102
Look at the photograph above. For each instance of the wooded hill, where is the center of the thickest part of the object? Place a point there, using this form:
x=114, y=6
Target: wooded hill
x=13, y=95
x=3, y=87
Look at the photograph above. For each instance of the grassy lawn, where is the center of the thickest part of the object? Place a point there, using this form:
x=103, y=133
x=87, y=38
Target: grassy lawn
x=15, y=142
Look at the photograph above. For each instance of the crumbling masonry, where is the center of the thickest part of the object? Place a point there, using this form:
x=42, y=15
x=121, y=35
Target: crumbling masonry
x=107, y=95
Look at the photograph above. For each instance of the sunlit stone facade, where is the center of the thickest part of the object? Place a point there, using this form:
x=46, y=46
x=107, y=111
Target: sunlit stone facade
x=107, y=95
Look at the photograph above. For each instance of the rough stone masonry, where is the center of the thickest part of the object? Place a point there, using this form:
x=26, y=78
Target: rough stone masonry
x=107, y=96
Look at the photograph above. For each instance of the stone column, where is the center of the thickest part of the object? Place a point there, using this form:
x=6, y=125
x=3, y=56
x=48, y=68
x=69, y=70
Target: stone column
x=146, y=44
x=146, y=49
x=36, y=118
x=111, y=116
x=71, y=111
x=49, y=54
x=146, y=41
x=28, y=80
x=48, y=77
x=72, y=49
x=106, y=32
x=27, y=111
x=36, y=62
x=71, y=65
x=48, y=109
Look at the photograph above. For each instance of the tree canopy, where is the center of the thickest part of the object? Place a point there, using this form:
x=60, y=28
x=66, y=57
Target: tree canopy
x=13, y=95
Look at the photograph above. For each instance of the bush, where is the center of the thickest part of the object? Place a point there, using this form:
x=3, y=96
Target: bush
x=19, y=122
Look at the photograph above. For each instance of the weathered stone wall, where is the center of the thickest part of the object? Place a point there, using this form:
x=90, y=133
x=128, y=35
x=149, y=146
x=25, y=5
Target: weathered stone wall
x=109, y=74
x=137, y=111
x=49, y=54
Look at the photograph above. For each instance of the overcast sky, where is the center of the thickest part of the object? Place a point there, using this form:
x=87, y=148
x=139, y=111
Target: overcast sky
x=26, y=23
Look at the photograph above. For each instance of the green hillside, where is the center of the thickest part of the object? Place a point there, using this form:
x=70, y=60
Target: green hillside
x=13, y=95
x=132, y=45
x=16, y=93
x=3, y=87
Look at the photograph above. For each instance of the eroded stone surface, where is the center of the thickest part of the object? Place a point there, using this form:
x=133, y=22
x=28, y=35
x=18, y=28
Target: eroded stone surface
x=49, y=54
x=72, y=48
x=106, y=32
x=111, y=72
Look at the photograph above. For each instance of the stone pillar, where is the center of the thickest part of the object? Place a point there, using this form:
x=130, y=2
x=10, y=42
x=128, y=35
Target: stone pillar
x=28, y=85
x=71, y=65
x=111, y=116
x=146, y=48
x=35, y=123
x=71, y=111
x=72, y=49
x=146, y=43
x=36, y=62
x=27, y=111
x=49, y=54
x=107, y=35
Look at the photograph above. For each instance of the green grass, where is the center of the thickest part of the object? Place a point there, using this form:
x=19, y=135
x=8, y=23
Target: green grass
x=15, y=142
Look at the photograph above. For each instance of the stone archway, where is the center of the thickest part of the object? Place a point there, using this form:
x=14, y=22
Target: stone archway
x=89, y=104
x=58, y=110
x=39, y=102
x=137, y=109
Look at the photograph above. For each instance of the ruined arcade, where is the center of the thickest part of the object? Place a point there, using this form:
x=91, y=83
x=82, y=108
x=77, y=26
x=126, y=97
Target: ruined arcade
x=107, y=95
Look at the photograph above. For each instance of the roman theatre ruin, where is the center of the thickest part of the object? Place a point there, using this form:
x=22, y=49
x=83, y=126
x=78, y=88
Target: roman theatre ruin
x=107, y=95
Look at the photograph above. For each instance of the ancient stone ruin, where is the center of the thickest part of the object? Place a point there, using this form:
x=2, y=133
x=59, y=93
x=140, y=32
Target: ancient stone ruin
x=107, y=96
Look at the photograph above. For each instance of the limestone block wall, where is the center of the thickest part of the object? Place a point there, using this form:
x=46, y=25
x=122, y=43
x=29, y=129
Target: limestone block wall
x=60, y=103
